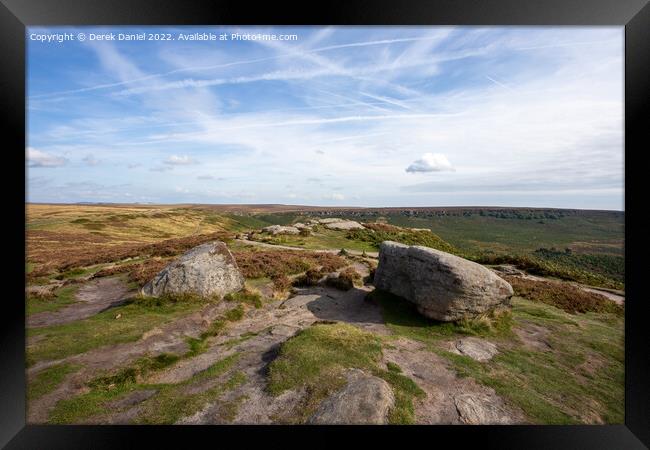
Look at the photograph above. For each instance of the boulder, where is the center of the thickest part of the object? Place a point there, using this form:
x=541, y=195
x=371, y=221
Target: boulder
x=330, y=220
x=443, y=286
x=302, y=226
x=206, y=270
x=344, y=225
x=280, y=229
x=365, y=400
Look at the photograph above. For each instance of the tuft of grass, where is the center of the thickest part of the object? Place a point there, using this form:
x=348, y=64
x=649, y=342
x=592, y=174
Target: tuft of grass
x=102, y=329
x=403, y=319
x=62, y=297
x=316, y=359
x=137, y=371
x=235, y=314
x=48, y=379
x=171, y=299
x=248, y=296
x=170, y=403
x=392, y=367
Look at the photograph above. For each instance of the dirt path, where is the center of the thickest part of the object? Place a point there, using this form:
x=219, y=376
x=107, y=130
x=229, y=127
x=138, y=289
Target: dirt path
x=93, y=297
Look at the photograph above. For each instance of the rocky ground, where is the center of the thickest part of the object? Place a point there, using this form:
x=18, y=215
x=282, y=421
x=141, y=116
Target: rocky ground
x=224, y=377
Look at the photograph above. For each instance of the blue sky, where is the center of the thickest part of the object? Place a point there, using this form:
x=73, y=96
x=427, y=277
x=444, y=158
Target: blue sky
x=358, y=116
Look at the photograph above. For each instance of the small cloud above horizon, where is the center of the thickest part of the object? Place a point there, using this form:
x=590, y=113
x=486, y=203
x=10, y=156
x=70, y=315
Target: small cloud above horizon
x=431, y=162
x=38, y=158
x=183, y=160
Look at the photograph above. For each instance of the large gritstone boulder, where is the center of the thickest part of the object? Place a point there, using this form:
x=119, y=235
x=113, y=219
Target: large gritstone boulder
x=206, y=270
x=443, y=286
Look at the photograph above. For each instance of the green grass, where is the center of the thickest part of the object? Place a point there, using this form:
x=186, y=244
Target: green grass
x=322, y=239
x=316, y=358
x=552, y=387
x=63, y=297
x=405, y=236
x=404, y=320
x=103, y=329
x=170, y=403
x=247, y=296
x=556, y=387
x=588, y=230
x=48, y=379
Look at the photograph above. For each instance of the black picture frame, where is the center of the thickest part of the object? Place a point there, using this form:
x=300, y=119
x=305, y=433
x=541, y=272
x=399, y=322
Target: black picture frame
x=15, y=15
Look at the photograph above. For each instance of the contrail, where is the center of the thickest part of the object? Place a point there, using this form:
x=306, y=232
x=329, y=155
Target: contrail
x=230, y=64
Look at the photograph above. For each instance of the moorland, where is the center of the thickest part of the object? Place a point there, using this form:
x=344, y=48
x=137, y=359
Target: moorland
x=97, y=352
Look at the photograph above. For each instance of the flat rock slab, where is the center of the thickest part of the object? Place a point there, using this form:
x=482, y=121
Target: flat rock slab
x=478, y=408
x=365, y=400
x=477, y=349
x=344, y=225
x=92, y=297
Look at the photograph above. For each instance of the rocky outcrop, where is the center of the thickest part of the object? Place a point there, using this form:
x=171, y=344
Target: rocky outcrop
x=206, y=270
x=280, y=229
x=344, y=225
x=365, y=400
x=442, y=286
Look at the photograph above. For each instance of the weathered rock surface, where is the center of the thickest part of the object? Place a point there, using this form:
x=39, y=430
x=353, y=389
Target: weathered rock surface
x=476, y=348
x=442, y=286
x=208, y=269
x=481, y=409
x=301, y=226
x=344, y=225
x=280, y=229
x=366, y=399
x=330, y=220
x=507, y=269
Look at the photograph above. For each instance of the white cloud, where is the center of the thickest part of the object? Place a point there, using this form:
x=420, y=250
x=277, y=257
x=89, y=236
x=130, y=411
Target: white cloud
x=176, y=160
x=38, y=158
x=430, y=162
x=205, y=177
x=335, y=196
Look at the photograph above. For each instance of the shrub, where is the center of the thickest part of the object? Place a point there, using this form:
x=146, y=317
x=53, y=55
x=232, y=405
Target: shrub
x=345, y=280
x=258, y=264
x=562, y=295
x=281, y=284
x=310, y=278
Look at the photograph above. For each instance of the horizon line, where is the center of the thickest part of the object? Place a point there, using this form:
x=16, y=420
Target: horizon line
x=317, y=206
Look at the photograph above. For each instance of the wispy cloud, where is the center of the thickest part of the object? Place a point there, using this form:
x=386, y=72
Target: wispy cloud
x=38, y=158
